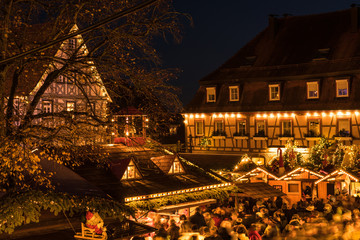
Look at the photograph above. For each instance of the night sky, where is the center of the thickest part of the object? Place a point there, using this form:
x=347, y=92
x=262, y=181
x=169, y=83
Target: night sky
x=222, y=27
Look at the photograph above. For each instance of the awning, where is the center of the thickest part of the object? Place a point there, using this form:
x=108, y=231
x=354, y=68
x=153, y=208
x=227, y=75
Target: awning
x=256, y=190
x=186, y=205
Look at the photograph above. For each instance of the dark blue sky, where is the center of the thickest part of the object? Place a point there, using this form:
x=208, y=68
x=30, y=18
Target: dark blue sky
x=222, y=27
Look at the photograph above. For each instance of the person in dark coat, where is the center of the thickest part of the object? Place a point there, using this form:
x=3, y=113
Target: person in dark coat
x=198, y=219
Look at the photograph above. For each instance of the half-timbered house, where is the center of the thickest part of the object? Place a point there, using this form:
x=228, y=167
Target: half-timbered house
x=296, y=80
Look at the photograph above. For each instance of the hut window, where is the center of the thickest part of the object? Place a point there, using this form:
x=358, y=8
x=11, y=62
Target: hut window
x=47, y=106
x=293, y=188
x=274, y=92
x=211, y=94
x=199, y=128
x=131, y=172
x=342, y=88
x=312, y=90
x=176, y=167
x=258, y=160
x=234, y=93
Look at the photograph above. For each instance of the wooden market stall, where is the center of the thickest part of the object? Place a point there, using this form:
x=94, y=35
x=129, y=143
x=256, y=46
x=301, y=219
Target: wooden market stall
x=336, y=182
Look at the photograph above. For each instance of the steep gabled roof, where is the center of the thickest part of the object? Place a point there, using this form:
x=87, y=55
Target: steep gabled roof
x=166, y=163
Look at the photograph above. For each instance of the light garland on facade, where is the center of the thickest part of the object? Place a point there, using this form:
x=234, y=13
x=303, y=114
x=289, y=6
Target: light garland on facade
x=171, y=193
x=339, y=113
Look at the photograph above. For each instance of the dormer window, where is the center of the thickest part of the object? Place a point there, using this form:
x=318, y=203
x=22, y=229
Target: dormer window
x=312, y=90
x=176, y=167
x=131, y=172
x=274, y=92
x=47, y=106
x=322, y=54
x=211, y=94
x=342, y=88
x=234, y=93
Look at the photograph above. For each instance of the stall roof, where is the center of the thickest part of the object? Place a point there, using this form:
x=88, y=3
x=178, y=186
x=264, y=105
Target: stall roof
x=337, y=173
x=257, y=170
x=257, y=190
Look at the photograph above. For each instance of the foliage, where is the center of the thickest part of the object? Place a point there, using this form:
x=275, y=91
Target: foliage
x=20, y=167
x=291, y=157
x=205, y=142
x=318, y=155
x=245, y=164
x=218, y=133
x=25, y=207
x=216, y=193
x=347, y=157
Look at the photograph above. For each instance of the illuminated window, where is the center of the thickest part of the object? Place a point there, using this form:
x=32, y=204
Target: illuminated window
x=70, y=106
x=286, y=128
x=312, y=90
x=241, y=127
x=342, y=88
x=61, y=79
x=72, y=43
x=199, y=128
x=131, y=172
x=47, y=106
x=344, y=127
x=293, y=188
x=274, y=92
x=219, y=126
x=258, y=160
x=211, y=94
x=176, y=167
x=234, y=93
x=261, y=128
x=314, y=128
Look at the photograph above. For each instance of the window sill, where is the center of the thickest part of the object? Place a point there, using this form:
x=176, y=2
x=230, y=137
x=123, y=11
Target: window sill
x=285, y=138
x=218, y=137
x=312, y=138
x=260, y=138
x=343, y=138
x=241, y=137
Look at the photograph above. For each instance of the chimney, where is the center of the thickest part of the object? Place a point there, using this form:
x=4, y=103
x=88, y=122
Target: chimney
x=273, y=25
x=354, y=18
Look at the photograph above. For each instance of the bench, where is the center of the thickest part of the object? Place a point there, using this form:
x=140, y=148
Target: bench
x=89, y=233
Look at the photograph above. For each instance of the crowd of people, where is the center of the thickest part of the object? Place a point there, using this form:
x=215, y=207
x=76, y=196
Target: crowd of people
x=337, y=217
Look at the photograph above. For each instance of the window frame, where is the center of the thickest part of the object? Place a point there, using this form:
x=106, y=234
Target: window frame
x=216, y=126
x=343, y=119
x=51, y=105
x=74, y=109
x=282, y=126
x=231, y=99
x=238, y=127
x=293, y=184
x=271, y=86
x=208, y=89
x=337, y=82
x=72, y=42
x=308, y=89
x=202, y=128
x=312, y=120
x=257, y=126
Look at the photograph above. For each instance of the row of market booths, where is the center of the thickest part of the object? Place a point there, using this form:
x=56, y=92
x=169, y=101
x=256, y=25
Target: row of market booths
x=304, y=183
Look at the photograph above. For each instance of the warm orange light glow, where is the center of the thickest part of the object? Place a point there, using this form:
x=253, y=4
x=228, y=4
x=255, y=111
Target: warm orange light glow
x=278, y=115
x=220, y=115
x=202, y=115
x=196, y=115
x=258, y=115
x=331, y=114
x=238, y=115
x=348, y=113
x=308, y=114
x=191, y=115
x=316, y=114
x=293, y=114
x=264, y=115
x=339, y=113
x=323, y=114
x=186, y=121
x=272, y=115
x=286, y=115
x=226, y=115
x=357, y=113
x=232, y=115
x=214, y=115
